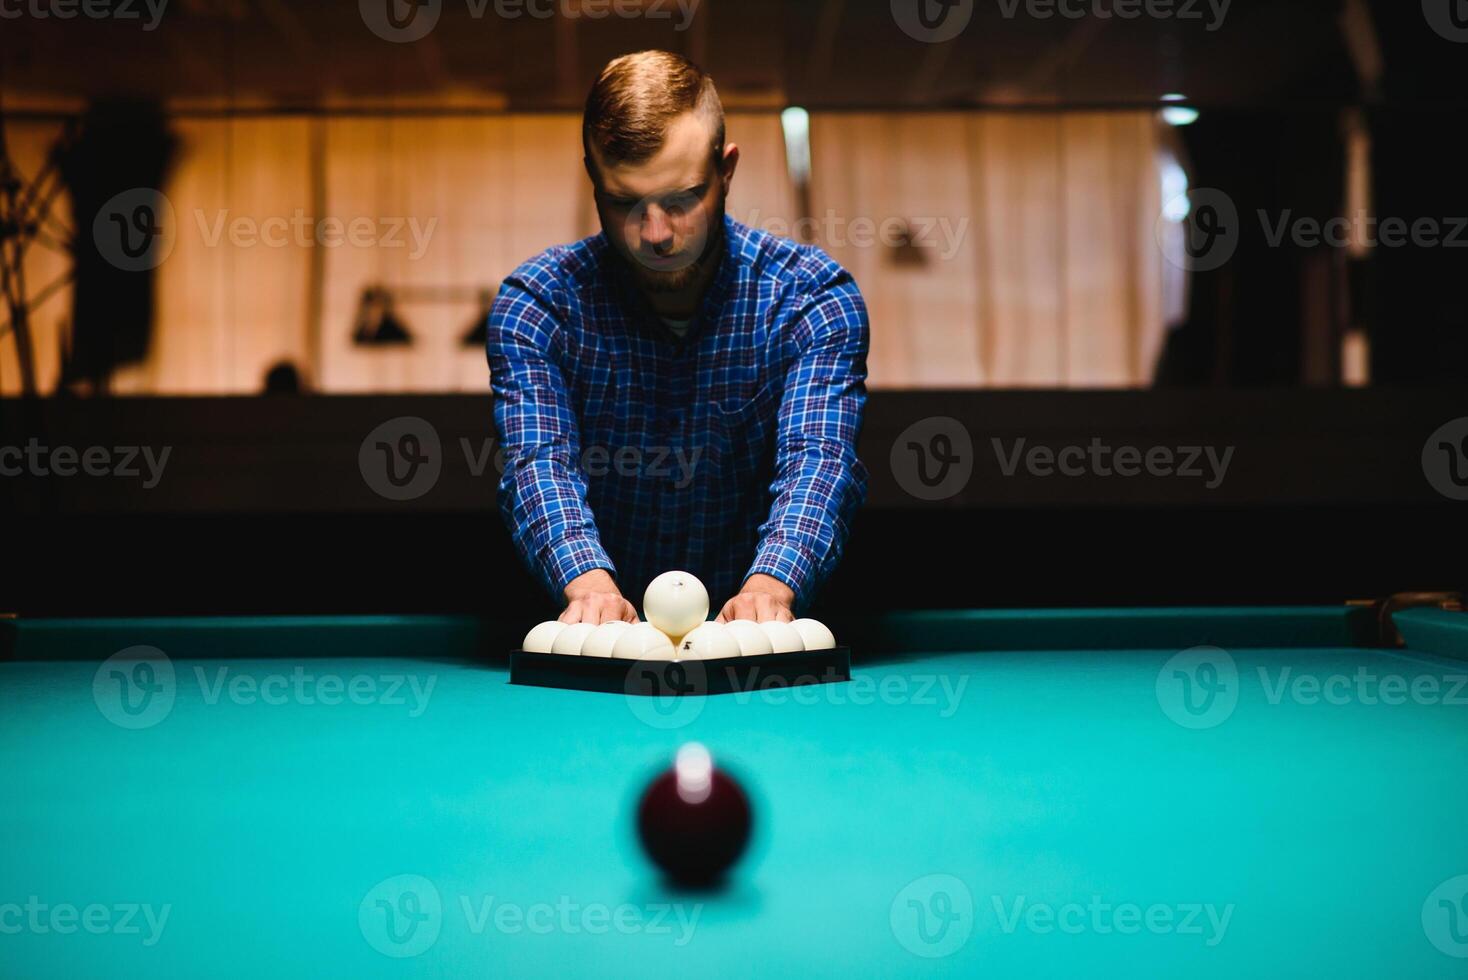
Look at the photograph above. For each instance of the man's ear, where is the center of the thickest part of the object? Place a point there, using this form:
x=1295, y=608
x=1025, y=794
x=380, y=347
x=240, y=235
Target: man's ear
x=727, y=164
x=590, y=170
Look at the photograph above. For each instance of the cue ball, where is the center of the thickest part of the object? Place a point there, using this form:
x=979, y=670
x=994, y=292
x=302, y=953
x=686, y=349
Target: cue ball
x=710, y=641
x=675, y=602
x=752, y=640
x=644, y=641
x=694, y=819
x=569, y=640
x=542, y=637
x=783, y=636
x=814, y=634
x=603, y=638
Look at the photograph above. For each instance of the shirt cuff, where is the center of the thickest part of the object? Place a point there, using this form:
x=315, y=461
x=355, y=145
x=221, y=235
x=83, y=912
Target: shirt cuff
x=792, y=565
x=573, y=556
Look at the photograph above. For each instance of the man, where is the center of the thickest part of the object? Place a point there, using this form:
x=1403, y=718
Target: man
x=680, y=391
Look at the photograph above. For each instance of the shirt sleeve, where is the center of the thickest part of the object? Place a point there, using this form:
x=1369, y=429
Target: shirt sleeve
x=819, y=482
x=542, y=493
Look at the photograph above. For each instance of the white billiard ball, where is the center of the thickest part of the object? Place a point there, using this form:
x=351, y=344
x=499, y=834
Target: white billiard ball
x=644, y=641
x=710, y=641
x=783, y=637
x=675, y=602
x=569, y=640
x=814, y=634
x=752, y=640
x=541, y=637
x=603, y=638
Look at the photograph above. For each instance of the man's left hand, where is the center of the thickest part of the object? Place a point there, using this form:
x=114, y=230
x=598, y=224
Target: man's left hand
x=762, y=598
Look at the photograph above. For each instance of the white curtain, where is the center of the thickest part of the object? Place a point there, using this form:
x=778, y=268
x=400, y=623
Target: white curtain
x=1030, y=255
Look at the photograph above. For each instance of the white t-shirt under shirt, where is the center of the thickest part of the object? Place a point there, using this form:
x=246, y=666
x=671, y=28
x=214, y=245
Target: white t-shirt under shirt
x=679, y=327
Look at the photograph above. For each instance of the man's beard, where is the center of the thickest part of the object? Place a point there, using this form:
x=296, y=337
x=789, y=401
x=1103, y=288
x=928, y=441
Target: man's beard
x=679, y=280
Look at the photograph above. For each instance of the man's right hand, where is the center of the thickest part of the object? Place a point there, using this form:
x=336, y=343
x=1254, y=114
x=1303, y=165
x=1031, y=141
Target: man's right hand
x=592, y=597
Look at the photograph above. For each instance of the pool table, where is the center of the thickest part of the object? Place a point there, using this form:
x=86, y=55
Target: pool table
x=1126, y=792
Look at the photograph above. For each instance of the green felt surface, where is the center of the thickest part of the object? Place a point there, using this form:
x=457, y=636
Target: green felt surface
x=1328, y=826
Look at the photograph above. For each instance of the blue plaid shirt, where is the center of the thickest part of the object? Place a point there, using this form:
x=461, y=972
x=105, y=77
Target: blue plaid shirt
x=726, y=452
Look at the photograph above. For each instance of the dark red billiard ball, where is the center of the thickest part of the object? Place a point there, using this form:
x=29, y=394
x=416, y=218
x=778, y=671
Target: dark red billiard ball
x=694, y=819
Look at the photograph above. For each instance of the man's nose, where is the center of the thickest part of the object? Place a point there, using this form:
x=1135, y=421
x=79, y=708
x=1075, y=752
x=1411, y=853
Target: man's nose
x=657, y=229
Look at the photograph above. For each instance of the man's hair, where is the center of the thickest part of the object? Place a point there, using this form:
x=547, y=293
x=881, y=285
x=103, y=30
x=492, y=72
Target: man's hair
x=634, y=99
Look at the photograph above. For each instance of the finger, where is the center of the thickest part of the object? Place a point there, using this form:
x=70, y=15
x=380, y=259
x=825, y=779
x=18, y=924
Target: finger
x=784, y=615
x=572, y=613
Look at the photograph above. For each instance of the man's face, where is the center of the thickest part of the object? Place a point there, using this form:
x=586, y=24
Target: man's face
x=663, y=215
